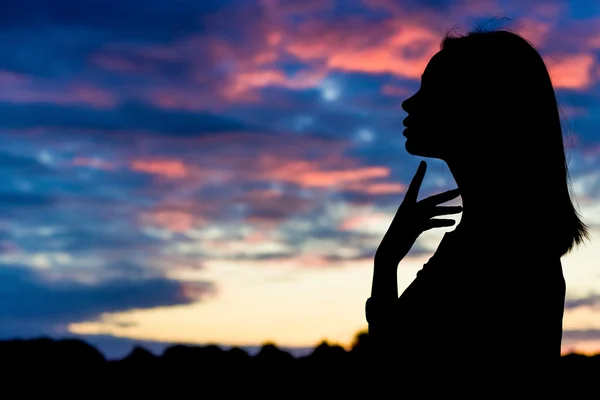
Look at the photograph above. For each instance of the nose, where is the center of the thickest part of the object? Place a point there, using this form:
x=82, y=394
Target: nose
x=407, y=104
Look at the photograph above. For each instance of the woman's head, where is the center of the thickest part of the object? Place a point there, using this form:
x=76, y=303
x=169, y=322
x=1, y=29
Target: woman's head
x=486, y=98
x=475, y=92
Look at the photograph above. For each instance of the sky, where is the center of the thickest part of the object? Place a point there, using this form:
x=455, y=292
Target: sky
x=223, y=171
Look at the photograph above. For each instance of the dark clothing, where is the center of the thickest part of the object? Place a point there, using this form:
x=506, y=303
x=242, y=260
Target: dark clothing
x=474, y=307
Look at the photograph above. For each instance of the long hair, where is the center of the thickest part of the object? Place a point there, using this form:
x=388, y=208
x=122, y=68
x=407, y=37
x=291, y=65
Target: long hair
x=511, y=97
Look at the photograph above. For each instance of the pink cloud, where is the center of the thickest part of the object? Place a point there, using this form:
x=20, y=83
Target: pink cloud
x=548, y=9
x=256, y=68
x=301, y=171
x=364, y=221
x=313, y=174
x=219, y=72
x=395, y=90
x=264, y=222
x=10, y=78
x=243, y=83
x=400, y=48
x=594, y=41
x=171, y=220
x=376, y=188
x=176, y=215
x=536, y=32
x=25, y=91
x=273, y=206
x=174, y=169
x=571, y=71
x=92, y=95
x=229, y=158
x=255, y=237
x=188, y=99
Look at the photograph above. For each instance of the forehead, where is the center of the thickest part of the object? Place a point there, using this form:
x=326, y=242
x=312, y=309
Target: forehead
x=436, y=65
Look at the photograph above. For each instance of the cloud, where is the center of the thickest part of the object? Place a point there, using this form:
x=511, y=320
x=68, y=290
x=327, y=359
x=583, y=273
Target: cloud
x=96, y=163
x=21, y=89
x=126, y=117
x=574, y=71
x=404, y=50
x=213, y=69
x=583, y=334
x=592, y=300
x=300, y=48
x=171, y=220
x=190, y=186
x=277, y=52
x=271, y=177
x=33, y=301
x=174, y=169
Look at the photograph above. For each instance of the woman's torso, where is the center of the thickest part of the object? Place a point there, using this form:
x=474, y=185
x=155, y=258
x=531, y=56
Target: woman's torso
x=474, y=300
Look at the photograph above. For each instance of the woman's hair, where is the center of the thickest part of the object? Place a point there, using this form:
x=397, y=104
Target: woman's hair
x=509, y=89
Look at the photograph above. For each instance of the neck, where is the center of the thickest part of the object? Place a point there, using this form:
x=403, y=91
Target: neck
x=485, y=194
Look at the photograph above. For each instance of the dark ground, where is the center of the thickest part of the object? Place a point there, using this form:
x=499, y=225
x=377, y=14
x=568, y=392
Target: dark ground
x=328, y=370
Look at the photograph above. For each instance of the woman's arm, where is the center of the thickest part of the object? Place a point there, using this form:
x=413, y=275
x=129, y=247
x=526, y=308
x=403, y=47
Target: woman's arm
x=383, y=335
x=385, y=280
x=412, y=218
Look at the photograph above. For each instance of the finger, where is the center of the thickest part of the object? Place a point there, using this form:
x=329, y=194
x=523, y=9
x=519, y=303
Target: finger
x=445, y=210
x=413, y=188
x=441, y=197
x=438, y=223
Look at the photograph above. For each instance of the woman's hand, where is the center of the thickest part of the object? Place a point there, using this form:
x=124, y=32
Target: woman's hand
x=413, y=218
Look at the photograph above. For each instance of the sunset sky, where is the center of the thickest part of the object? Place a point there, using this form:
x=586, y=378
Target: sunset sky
x=223, y=171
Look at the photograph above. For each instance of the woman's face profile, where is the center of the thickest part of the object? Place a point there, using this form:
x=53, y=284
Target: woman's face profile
x=430, y=128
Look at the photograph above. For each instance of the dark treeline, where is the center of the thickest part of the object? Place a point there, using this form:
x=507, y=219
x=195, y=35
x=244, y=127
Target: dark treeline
x=68, y=353
x=74, y=366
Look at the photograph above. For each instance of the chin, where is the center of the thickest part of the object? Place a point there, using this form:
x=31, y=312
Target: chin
x=418, y=149
x=414, y=147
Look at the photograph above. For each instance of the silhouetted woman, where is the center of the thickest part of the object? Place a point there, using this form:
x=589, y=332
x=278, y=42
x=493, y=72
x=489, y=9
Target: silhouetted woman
x=492, y=296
